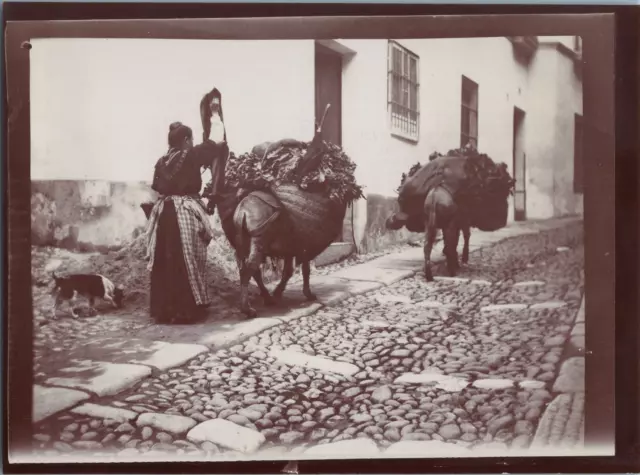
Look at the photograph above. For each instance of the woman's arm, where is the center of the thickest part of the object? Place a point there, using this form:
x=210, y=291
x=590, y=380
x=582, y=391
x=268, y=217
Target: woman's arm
x=203, y=154
x=214, y=156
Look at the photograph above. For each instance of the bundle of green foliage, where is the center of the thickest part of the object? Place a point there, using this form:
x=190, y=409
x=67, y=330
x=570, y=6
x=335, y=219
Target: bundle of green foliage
x=484, y=177
x=333, y=178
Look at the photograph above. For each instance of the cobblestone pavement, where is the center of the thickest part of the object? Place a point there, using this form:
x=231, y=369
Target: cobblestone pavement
x=414, y=368
x=55, y=340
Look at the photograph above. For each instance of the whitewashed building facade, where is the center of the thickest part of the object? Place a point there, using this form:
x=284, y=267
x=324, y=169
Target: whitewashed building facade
x=393, y=103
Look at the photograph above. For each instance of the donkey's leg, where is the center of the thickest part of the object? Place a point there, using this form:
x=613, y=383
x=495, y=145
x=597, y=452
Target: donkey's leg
x=245, y=277
x=287, y=272
x=264, y=292
x=306, y=273
x=451, y=236
x=466, y=234
x=430, y=239
x=248, y=270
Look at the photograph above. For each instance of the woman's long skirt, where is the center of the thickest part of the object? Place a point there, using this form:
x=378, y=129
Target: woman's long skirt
x=171, y=295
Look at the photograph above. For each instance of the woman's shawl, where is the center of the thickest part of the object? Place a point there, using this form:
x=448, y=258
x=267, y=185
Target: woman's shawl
x=167, y=167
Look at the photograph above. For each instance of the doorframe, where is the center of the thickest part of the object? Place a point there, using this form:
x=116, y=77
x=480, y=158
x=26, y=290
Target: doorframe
x=519, y=116
x=339, y=52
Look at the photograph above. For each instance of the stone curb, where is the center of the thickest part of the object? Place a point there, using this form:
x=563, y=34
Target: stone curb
x=562, y=422
x=489, y=240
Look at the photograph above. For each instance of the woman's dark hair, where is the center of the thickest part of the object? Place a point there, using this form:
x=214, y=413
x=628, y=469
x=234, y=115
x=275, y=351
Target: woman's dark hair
x=178, y=132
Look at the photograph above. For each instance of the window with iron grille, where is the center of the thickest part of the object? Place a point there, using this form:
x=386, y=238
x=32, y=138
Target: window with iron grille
x=403, y=92
x=469, y=113
x=578, y=148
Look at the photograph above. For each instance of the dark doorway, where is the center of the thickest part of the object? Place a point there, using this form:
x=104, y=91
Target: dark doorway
x=329, y=91
x=519, y=166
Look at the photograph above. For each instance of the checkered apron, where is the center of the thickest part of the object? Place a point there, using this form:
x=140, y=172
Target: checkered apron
x=195, y=234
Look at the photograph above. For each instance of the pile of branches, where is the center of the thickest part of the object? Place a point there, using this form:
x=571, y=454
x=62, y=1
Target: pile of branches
x=484, y=176
x=405, y=176
x=334, y=177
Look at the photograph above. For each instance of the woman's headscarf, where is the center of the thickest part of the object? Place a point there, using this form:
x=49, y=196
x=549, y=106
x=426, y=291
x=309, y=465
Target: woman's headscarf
x=178, y=132
x=170, y=164
x=206, y=112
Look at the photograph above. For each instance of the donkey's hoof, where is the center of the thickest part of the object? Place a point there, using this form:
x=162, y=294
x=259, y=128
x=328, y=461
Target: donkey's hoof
x=310, y=296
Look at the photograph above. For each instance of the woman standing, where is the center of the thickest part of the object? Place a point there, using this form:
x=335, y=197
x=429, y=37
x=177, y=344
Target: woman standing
x=179, y=230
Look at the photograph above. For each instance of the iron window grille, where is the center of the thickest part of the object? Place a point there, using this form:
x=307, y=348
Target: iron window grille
x=403, y=86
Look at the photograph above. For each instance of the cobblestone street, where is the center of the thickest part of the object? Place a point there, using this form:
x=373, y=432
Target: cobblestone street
x=457, y=366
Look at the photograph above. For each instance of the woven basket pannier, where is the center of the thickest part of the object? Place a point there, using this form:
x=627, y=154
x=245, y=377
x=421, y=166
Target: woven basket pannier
x=316, y=220
x=490, y=214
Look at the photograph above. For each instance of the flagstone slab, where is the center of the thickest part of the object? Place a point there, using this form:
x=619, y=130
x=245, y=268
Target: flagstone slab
x=532, y=384
x=375, y=324
x=441, y=381
x=294, y=358
x=507, y=306
x=480, y=282
x=372, y=272
x=493, y=384
x=384, y=299
x=548, y=305
x=453, y=280
x=230, y=332
x=410, y=259
x=571, y=377
x=227, y=434
x=100, y=378
x=97, y=411
x=170, y=355
x=49, y=401
x=171, y=423
x=430, y=304
x=529, y=283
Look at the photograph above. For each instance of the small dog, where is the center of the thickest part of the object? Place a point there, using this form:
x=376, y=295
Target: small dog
x=91, y=286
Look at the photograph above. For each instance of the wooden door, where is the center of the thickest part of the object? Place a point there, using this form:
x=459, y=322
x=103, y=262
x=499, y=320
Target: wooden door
x=329, y=91
x=519, y=166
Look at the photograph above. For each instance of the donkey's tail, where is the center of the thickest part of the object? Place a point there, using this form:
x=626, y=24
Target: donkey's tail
x=430, y=207
x=241, y=242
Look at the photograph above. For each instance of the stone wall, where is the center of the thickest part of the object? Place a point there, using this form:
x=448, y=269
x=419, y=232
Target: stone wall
x=377, y=236
x=64, y=213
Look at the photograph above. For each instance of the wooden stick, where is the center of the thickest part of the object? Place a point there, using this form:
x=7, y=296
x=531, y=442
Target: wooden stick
x=326, y=109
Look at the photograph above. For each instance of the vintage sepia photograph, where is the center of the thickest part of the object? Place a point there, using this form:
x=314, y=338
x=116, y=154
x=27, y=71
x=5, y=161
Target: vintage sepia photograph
x=307, y=248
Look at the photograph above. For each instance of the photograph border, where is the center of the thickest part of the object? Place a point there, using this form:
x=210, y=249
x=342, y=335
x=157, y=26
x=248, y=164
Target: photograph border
x=597, y=32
